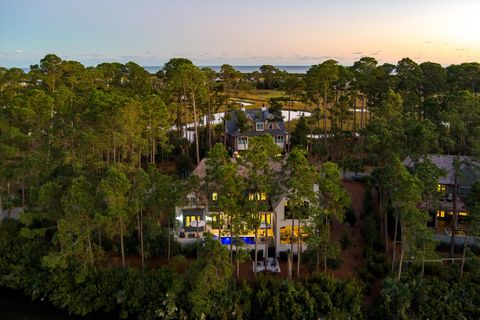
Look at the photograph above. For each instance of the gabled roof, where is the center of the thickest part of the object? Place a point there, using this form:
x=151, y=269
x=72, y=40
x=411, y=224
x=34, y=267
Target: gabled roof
x=275, y=166
x=254, y=115
x=469, y=167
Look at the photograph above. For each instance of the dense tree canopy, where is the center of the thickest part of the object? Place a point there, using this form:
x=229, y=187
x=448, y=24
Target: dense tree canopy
x=96, y=158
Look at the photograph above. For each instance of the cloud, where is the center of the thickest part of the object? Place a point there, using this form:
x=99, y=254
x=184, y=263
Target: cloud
x=204, y=54
x=19, y=51
x=300, y=57
x=357, y=52
x=462, y=49
x=428, y=42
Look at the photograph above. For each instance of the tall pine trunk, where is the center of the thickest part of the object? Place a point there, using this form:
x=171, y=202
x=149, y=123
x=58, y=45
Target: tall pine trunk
x=237, y=257
x=89, y=241
x=256, y=251
x=455, y=217
x=402, y=251
x=317, y=232
x=196, y=127
x=299, y=249
x=354, y=117
x=209, y=128
x=266, y=244
x=325, y=118
x=423, y=260
x=169, y=240
x=463, y=255
x=290, y=261
x=231, y=240
x=121, y=242
x=385, y=218
x=395, y=243
x=142, y=252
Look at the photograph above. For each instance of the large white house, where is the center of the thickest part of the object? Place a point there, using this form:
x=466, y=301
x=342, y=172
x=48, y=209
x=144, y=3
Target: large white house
x=274, y=235
x=241, y=125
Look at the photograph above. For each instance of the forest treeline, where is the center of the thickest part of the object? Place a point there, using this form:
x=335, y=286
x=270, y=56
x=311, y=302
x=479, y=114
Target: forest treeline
x=97, y=159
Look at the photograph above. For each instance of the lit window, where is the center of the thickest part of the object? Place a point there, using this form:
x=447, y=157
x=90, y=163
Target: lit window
x=189, y=219
x=260, y=126
x=266, y=217
x=216, y=221
x=214, y=196
x=440, y=214
x=442, y=189
x=257, y=196
x=463, y=214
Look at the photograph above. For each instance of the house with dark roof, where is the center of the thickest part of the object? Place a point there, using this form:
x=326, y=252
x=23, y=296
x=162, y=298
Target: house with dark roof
x=457, y=181
x=240, y=125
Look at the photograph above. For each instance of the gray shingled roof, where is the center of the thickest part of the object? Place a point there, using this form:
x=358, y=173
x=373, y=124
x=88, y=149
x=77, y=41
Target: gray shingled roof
x=201, y=172
x=469, y=167
x=255, y=115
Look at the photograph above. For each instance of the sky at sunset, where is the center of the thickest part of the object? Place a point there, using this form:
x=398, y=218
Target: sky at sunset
x=212, y=32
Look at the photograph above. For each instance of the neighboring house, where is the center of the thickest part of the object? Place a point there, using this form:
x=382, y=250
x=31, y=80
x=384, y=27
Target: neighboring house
x=275, y=228
x=442, y=212
x=241, y=125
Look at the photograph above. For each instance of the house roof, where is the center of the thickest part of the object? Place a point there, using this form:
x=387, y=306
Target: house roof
x=201, y=169
x=254, y=115
x=470, y=168
x=193, y=211
x=201, y=172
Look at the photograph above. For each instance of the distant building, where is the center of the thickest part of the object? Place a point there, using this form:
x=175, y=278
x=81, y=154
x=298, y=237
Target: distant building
x=243, y=124
x=467, y=175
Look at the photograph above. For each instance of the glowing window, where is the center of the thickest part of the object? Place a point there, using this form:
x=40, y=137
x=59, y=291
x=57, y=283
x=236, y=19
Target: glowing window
x=463, y=214
x=440, y=214
x=266, y=217
x=216, y=221
x=214, y=196
x=442, y=189
x=257, y=196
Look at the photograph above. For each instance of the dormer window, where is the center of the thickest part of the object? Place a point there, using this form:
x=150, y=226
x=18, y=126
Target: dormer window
x=442, y=189
x=260, y=126
x=260, y=196
x=271, y=125
x=192, y=200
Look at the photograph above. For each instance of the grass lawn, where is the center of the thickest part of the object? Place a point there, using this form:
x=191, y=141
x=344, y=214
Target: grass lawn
x=257, y=98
